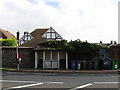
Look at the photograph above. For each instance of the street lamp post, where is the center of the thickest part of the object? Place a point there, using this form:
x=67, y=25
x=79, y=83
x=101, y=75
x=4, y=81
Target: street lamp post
x=17, y=57
x=18, y=36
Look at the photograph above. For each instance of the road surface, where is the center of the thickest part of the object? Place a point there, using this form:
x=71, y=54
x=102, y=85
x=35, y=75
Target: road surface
x=58, y=81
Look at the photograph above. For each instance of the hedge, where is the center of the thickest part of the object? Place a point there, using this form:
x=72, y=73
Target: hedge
x=8, y=42
x=77, y=49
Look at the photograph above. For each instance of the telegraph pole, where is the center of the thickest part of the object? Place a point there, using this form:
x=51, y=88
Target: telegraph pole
x=18, y=43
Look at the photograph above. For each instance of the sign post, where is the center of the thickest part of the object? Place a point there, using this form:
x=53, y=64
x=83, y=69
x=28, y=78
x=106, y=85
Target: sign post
x=18, y=36
x=17, y=59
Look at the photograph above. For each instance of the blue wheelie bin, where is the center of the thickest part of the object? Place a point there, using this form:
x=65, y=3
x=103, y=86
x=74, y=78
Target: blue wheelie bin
x=107, y=63
x=73, y=65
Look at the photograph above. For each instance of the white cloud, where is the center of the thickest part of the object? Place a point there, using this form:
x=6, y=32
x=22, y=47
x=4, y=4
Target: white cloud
x=91, y=20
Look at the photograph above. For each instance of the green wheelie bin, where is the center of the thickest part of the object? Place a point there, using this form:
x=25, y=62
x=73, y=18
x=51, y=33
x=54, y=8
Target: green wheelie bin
x=79, y=65
x=96, y=63
x=115, y=64
x=90, y=65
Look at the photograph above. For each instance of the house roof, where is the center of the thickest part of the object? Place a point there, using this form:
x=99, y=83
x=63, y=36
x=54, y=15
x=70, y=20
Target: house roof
x=33, y=42
x=116, y=45
x=38, y=32
x=7, y=34
x=37, y=37
x=103, y=44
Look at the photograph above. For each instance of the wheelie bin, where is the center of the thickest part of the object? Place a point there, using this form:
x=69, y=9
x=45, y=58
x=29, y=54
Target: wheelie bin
x=115, y=64
x=90, y=65
x=73, y=65
x=79, y=65
x=84, y=65
x=96, y=63
x=107, y=63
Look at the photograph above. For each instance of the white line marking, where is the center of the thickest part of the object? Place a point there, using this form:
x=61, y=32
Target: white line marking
x=83, y=86
x=29, y=85
x=106, y=82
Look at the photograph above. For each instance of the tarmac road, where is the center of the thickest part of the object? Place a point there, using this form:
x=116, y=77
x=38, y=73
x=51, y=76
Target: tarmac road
x=58, y=81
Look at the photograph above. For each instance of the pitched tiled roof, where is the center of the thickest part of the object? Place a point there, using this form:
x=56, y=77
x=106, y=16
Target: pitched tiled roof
x=7, y=34
x=116, y=45
x=38, y=32
x=33, y=42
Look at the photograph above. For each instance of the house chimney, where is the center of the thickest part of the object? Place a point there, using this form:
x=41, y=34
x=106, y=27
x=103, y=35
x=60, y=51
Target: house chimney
x=18, y=38
x=25, y=32
x=100, y=42
x=50, y=28
x=111, y=42
x=115, y=42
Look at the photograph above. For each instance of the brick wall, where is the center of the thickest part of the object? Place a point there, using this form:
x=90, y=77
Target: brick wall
x=9, y=57
x=115, y=53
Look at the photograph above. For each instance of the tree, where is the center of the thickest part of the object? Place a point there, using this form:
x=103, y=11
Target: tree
x=8, y=42
x=77, y=49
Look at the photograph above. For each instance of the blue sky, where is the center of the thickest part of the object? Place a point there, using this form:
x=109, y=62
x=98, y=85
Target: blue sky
x=48, y=2
x=32, y=1
x=91, y=20
x=53, y=4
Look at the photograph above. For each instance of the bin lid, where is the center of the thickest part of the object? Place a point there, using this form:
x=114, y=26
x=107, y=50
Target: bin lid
x=106, y=59
x=73, y=61
x=96, y=60
x=79, y=60
x=84, y=61
x=115, y=59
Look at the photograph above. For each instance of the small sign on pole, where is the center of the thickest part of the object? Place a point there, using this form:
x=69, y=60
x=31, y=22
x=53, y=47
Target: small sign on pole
x=18, y=36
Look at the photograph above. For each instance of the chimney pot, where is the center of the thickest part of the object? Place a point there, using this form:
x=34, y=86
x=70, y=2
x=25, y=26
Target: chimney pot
x=25, y=32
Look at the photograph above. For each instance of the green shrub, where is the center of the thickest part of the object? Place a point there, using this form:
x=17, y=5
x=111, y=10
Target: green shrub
x=8, y=42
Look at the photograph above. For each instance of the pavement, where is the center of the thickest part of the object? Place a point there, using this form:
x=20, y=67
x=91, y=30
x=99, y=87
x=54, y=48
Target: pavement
x=65, y=71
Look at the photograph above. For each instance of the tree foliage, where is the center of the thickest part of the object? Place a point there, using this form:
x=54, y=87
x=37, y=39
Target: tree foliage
x=59, y=45
x=77, y=49
x=8, y=42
